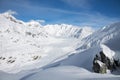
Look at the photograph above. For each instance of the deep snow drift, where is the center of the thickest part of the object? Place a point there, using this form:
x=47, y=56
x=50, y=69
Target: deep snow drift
x=30, y=51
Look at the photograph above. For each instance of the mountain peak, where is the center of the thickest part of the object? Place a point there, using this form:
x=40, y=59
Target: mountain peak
x=9, y=14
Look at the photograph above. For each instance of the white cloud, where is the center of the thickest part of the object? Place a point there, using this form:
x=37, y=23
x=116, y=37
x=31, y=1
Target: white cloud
x=40, y=21
x=78, y=3
x=10, y=12
x=37, y=21
x=98, y=20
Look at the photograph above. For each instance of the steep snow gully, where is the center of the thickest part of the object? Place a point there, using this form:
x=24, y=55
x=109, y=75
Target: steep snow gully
x=31, y=51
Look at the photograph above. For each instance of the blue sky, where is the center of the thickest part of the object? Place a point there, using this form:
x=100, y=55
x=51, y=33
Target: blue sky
x=94, y=13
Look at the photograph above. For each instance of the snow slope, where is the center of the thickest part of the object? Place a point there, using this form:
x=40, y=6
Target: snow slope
x=106, y=40
x=79, y=66
x=59, y=73
x=69, y=73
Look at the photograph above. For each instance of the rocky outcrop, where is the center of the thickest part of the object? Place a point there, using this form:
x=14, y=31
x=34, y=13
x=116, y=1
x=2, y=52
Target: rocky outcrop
x=101, y=63
x=99, y=67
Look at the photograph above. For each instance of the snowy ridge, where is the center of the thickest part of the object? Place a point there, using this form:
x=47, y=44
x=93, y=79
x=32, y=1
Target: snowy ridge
x=64, y=30
x=101, y=36
x=34, y=26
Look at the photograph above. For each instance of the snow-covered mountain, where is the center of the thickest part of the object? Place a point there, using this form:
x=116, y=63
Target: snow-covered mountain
x=27, y=43
x=10, y=24
x=79, y=66
x=31, y=51
x=64, y=31
x=105, y=39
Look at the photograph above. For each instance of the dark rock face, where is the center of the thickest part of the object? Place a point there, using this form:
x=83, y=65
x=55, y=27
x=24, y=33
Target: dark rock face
x=96, y=67
x=106, y=63
x=104, y=59
x=99, y=68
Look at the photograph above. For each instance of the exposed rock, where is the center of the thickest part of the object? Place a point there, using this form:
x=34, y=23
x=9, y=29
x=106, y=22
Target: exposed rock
x=99, y=67
x=117, y=62
x=102, y=63
x=36, y=57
